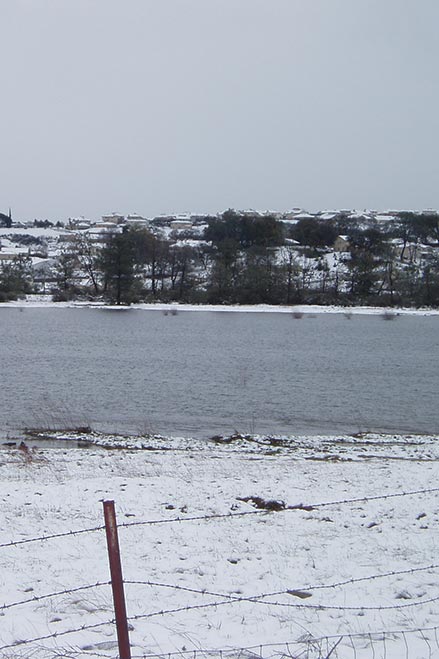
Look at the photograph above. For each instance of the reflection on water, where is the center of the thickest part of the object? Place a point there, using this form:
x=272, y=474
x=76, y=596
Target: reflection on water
x=201, y=373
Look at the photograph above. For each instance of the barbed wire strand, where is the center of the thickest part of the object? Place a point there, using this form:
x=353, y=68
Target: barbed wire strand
x=53, y=536
x=381, y=632
x=295, y=508
x=392, y=573
x=251, y=648
x=381, y=635
x=15, y=543
x=56, y=635
x=39, y=598
x=235, y=599
x=312, y=607
x=289, y=591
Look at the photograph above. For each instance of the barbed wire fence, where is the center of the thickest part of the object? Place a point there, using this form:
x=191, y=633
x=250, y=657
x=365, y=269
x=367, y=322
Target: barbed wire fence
x=376, y=643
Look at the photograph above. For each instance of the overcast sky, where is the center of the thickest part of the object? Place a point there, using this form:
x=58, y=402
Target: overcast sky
x=156, y=106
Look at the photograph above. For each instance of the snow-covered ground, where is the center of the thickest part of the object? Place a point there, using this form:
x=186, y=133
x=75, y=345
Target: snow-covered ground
x=46, y=301
x=360, y=575
x=37, y=232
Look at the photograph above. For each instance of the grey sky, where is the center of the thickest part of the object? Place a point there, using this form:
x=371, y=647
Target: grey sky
x=199, y=105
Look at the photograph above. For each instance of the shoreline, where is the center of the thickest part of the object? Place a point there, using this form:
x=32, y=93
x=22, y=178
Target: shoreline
x=40, y=302
x=343, y=446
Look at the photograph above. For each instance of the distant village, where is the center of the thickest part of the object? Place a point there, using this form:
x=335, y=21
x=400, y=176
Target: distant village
x=247, y=256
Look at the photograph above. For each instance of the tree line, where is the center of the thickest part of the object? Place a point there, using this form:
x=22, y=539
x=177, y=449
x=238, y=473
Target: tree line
x=248, y=259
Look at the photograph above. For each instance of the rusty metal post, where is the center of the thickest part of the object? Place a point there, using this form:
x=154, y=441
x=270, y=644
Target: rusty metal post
x=117, y=580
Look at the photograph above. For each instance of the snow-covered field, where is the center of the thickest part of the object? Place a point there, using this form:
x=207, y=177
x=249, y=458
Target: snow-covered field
x=350, y=578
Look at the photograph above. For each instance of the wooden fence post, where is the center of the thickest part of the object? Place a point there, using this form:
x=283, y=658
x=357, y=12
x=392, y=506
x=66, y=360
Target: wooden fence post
x=117, y=580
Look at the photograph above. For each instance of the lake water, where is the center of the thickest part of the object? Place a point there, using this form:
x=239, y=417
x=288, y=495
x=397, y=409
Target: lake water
x=202, y=373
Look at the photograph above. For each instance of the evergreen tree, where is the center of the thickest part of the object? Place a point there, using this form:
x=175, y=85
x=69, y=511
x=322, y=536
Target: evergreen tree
x=15, y=278
x=117, y=264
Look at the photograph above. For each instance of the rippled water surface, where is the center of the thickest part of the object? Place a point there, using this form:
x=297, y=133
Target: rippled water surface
x=201, y=373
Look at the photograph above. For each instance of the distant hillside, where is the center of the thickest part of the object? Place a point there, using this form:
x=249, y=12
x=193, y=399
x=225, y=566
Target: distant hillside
x=238, y=257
